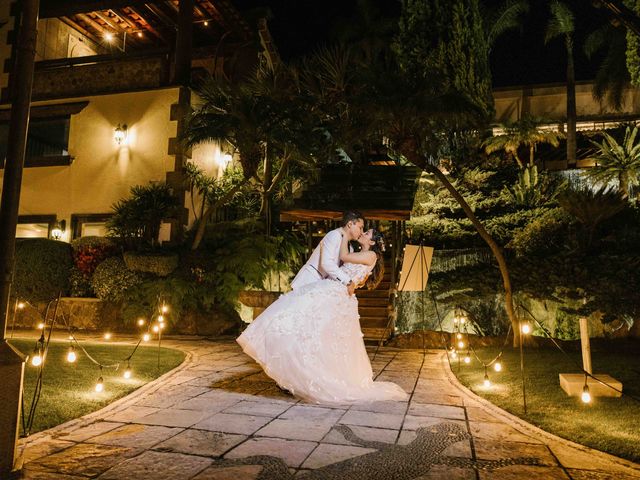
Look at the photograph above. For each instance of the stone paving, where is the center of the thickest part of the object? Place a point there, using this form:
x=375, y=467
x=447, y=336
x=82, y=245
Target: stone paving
x=217, y=416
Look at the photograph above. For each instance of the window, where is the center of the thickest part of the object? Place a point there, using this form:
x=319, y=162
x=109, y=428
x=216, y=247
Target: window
x=89, y=224
x=47, y=142
x=35, y=226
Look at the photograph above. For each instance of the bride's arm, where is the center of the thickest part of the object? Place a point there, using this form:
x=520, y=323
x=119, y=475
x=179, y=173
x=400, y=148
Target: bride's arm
x=364, y=258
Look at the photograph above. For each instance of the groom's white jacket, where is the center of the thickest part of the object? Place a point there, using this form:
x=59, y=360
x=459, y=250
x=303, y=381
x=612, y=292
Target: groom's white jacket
x=324, y=262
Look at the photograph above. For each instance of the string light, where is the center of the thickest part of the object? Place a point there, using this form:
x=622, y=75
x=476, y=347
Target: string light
x=458, y=336
x=586, y=395
x=155, y=329
x=497, y=367
x=146, y=337
x=460, y=344
x=161, y=326
x=467, y=359
x=127, y=372
x=21, y=305
x=107, y=336
x=526, y=328
x=141, y=322
x=99, y=385
x=206, y=23
x=487, y=382
x=454, y=355
x=41, y=326
x=139, y=34
x=36, y=360
x=71, y=355
x=164, y=309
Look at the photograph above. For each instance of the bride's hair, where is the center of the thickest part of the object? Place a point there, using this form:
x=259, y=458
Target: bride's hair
x=375, y=277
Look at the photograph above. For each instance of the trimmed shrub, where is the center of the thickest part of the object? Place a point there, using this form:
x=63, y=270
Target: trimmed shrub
x=158, y=264
x=88, y=253
x=42, y=269
x=111, y=279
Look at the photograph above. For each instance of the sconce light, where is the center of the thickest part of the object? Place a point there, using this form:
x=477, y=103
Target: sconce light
x=58, y=229
x=120, y=134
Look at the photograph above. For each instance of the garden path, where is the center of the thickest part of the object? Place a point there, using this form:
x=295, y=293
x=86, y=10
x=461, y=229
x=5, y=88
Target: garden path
x=217, y=416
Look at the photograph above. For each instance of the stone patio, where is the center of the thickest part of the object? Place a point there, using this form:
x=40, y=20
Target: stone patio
x=217, y=416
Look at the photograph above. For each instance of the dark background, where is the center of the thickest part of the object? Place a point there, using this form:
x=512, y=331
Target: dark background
x=518, y=58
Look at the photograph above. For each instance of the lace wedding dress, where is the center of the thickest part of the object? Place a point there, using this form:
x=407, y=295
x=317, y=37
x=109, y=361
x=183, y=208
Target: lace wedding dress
x=309, y=341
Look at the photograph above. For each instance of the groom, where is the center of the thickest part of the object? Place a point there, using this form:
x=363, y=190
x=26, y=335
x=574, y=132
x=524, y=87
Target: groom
x=325, y=259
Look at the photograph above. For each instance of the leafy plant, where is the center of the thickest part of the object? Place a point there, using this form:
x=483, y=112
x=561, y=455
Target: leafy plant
x=545, y=234
x=136, y=220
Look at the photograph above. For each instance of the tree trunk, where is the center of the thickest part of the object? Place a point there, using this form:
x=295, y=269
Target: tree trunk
x=623, y=184
x=204, y=219
x=265, y=205
x=531, y=150
x=571, y=104
x=409, y=151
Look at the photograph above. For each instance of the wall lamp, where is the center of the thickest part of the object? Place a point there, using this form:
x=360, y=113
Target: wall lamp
x=120, y=134
x=58, y=229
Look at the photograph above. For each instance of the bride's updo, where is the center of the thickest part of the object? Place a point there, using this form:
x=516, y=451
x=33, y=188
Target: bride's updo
x=379, y=247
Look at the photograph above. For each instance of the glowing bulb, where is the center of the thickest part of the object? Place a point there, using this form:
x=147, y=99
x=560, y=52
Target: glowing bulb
x=454, y=355
x=71, y=355
x=586, y=396
x=206, y=23
x=40, y=326
x=487, y=382
x=108, y=37
x=458, y=336
x=36, y=360
x=455, y=319
x=526, y=328
x=467, y=359
x=497, y=367
x=141, y=321
x=100, y=385
x=107, y=336
x=161, y=318
x=155, y=329
x=462, y=320
x=164, y=309
x=139, y=34
x=127, y=373
x=146, y=337
x=161, y=326
x=21, y=305
x=460, y=344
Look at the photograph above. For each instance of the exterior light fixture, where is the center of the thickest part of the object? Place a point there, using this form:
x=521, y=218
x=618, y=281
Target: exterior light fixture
x=120, y=134
x=58, y=229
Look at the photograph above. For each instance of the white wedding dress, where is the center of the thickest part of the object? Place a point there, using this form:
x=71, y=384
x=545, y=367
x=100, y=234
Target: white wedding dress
x=309, y=341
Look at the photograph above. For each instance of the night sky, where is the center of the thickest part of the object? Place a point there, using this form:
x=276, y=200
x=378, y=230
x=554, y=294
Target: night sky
x=299, y=26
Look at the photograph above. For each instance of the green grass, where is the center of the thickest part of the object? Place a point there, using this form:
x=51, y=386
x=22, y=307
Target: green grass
x=68, y=389
x=608, y=424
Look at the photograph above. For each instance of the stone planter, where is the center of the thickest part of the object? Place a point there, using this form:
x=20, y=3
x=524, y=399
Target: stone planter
x=161, y=265
x=259, y=300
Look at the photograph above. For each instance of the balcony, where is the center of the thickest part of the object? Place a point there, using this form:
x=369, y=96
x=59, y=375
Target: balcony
x=100, y=74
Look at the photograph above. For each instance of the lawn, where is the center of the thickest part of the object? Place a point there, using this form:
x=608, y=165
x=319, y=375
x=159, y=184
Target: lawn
x=68, y=389
x=608, y=424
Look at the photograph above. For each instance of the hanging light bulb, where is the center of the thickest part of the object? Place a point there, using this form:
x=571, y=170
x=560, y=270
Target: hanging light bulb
x=487, y=382
x=586, y=395
x=146, y=337
x=526, y=328
x=454, y=355
x=140, y=322
x=21, y=305
x=467, y=359
x=107, y=336
x=462, y=320
x=164, y=309
x=40, y=326
x=160, y=318
x=460, y=344
x=161, y=326
x=71, y=355
x=458, y=336
x=156, y=329
x=455, y=320
x=99, y=385
x=36, y=359
x=127, y=372
x=497, y=367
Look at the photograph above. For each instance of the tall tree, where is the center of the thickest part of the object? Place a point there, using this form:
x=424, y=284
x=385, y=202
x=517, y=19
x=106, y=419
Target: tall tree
x=562, y=24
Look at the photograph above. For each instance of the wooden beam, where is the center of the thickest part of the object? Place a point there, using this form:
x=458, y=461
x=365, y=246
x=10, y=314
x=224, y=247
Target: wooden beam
x=60, y=8
x=149, y=25
x=83, y=31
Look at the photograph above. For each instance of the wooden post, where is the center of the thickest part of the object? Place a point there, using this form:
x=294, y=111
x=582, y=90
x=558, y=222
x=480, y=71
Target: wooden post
x=586, y=345
x=11, y=361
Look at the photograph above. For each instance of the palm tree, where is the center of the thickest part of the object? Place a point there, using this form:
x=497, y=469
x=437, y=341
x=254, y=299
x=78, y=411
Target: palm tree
x=618, y=161
x=524, y=132
x=562, y=24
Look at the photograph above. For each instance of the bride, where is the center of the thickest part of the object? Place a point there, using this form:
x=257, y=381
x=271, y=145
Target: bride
x=309, y=340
